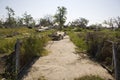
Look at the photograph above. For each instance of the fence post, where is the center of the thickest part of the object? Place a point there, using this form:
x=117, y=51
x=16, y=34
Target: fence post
x=17, y=53
x=116, y=61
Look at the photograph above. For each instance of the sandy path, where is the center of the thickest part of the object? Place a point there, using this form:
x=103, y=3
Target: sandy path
x=63, y=64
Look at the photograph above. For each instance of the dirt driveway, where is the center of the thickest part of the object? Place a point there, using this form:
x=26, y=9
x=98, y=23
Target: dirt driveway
x=63, y=64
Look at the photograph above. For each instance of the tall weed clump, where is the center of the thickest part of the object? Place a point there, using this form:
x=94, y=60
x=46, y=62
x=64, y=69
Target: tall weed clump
x=33, y=46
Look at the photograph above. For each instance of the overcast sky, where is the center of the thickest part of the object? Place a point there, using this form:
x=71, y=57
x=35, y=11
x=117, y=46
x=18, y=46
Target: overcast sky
x=93, y=10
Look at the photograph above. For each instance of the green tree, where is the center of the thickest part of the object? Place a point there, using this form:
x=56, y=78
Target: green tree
x=76, y=23
x=95, y=26
x=110, y=23
x=28, y=19
x=19, y=21
x=117, y=22
x=33, y=22
x=10, y=22
x=60, y=16
x=1, y=23
x=81, y=22
x=43, y=22
x=46, y=21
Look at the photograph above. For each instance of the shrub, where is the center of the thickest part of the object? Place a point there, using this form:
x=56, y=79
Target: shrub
x=32, y=46
x=96, y=43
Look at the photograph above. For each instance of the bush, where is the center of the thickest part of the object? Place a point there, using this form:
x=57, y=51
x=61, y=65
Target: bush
x=32, y=47
x=89, y=78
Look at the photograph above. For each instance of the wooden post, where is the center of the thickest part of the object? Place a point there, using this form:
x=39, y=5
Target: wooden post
x=17, y=53
x=117, y=48
x=116, y=59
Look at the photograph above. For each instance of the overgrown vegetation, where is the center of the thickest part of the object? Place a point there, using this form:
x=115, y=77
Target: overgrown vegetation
x=14, y=32
x=8, y=38
x=99, y=47
x=96, y=44
x=7, y=45
x=30, y=48
x=91, y=39
x=33, y=46
x=78, y=40
x=91, y=77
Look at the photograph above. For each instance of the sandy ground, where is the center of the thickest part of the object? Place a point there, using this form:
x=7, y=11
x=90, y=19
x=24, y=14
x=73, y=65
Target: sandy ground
x=63, y=64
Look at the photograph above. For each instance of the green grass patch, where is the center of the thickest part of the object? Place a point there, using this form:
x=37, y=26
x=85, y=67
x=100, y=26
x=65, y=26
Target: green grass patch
x=7, y=45
x=10, y=32
x=91, y=77
x=78, y=40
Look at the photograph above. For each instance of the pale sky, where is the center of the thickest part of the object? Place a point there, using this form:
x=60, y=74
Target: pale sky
x=93, y=10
